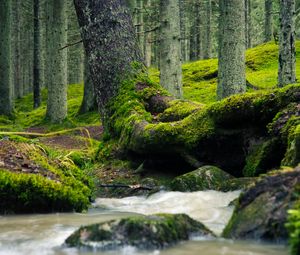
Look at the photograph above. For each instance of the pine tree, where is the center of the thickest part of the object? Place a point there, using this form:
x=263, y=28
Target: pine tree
x=57, y=89
x=231, y=74
x=170, y=47
x=6, y=87
x=287, y=50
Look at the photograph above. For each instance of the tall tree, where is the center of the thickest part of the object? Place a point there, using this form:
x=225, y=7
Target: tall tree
x=231, y=75
x=208, y=30
x=108, y=34
x=89, y=99
x=196, y=31
x=148, y=26
x=248, y=24
x=57, y=89
x=16, y=28
x=268, y=20
x=287, y=50
x=75, y=49
x=37, y=51
x=170, y=47
x=6, y=87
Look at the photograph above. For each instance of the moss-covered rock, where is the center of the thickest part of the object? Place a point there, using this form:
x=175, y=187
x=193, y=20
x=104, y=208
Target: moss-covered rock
x=237, y=184
x=263, y=157
x=262, y=209
x=144, y=232
x=292, y=155
x=204, y=178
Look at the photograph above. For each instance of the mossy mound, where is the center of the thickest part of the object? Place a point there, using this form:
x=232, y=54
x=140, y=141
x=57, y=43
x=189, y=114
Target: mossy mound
x=261, y=212
x=30, y=193
x=204, y=178
x=144, y=232
x=32, y=182
x=200, y=77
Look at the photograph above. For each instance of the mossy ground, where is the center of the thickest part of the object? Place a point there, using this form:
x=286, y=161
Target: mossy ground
x=29, y=163
x=200, y=77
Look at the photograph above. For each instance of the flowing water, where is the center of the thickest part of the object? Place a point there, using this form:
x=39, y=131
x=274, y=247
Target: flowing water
x=45, y=234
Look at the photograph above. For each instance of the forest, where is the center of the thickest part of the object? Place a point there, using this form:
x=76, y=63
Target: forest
x=150, y=127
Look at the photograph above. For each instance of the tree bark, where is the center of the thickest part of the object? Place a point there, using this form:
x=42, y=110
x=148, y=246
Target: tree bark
x=6, y=87
x=37, y=55
x=89, y=99
x=195, y=42
x=248, y=24
x=231, y=74
x=268, y=20
x=148, y=25
x=208, y=30
x=170, y=47
x=57, y=89
x=75, y=52
x=287, y=50
x=110, y=45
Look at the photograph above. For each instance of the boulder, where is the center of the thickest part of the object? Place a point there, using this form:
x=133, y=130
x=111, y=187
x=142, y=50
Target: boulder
x=204, y=178
x=261, y=212
x=143, y=232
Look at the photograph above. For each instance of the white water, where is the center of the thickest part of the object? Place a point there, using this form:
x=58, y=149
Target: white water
x=45, y=234
x=209, y=207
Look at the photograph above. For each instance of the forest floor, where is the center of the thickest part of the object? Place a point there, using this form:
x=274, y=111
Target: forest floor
x=79, y=137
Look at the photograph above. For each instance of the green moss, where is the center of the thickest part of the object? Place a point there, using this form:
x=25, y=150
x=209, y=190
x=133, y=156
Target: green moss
x=292, y=156
x=263, y=157
x=200, y=77
x=177, y=110
x=29, y=193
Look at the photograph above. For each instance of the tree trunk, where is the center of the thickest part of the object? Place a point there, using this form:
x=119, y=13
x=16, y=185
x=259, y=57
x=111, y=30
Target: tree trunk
x=89, y=99
x=140, y=25
x=183, y=30
x=268, y=20
x=57, y=90
x=16, y=47
x=287, y=50
x=111, y=47
x=170, y=50
x=231, y=72
x=75, y=52
x=248, y=24
x=208, y=31
x=6, y=87
x=37, y=55
x=195, y=31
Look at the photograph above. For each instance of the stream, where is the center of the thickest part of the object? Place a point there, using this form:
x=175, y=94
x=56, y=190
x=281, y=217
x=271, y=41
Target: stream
x=45, y=234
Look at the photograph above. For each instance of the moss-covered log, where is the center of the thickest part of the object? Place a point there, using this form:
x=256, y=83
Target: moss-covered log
x=146, y=121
